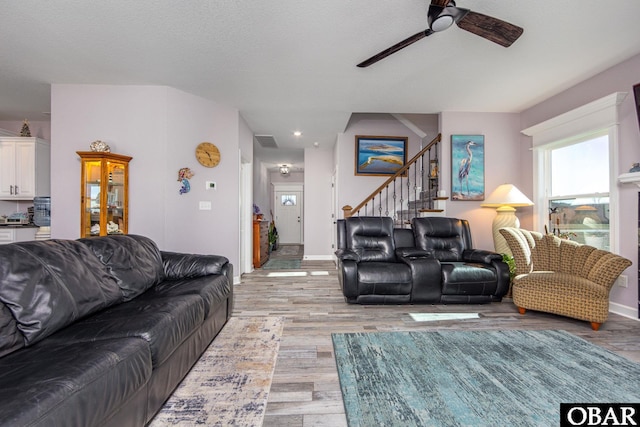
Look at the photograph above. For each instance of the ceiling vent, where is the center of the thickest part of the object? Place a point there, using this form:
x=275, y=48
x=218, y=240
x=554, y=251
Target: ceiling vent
x=267, y=141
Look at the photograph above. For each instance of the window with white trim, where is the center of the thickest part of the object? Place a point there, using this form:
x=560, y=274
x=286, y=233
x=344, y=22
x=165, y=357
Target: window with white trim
x=575, y=169
x=577, y=189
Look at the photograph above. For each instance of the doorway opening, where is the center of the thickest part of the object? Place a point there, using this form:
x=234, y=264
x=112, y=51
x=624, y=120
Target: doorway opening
x=288, y=204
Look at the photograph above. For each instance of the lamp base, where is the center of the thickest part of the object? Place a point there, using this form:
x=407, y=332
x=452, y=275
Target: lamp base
x=505, y=217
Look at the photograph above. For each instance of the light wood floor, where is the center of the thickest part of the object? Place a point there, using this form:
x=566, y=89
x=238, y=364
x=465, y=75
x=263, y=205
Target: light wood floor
x=305, y=389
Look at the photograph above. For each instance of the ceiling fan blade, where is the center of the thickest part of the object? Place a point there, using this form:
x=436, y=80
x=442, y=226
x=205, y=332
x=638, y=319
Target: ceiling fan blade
x=494, y=29
x=440, y=3
x=396, y=47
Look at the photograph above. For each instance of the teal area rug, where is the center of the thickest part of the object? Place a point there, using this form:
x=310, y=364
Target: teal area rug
x=475, y=378
x=282, y=264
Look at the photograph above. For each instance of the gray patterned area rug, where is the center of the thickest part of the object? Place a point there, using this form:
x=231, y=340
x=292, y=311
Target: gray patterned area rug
x=282, y=264
x=229, y=385
x=289, y=250
x=475, y=378
x=286, y=257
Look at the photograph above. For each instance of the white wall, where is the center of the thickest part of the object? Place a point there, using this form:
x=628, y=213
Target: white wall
x=245, y=140
x=128, y=119
x=502, y=146
x=159, y=127
x=620, y=78
x=318, y=222
x=261, y=195
x=502, y=165
x=188, y=229
x=353, y=189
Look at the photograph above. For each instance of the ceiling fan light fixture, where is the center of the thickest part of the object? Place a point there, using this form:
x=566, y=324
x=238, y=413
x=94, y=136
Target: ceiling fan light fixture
x=441, y=22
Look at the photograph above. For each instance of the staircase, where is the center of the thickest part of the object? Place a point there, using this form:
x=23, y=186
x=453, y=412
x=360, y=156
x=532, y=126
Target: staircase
x=414, y=191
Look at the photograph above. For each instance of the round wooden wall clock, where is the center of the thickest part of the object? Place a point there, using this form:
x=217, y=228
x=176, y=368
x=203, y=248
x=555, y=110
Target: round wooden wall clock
x=208, y=154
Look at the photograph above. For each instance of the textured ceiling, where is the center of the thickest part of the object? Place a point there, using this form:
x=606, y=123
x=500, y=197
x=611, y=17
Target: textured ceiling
x=291, y=65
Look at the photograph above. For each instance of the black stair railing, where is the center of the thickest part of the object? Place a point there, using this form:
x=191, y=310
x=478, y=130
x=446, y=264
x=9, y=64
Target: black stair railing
x=411, y=191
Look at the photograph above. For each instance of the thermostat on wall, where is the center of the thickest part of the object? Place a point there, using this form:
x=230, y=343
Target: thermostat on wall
x=211, y=185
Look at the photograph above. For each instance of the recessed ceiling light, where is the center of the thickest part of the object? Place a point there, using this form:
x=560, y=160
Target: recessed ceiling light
x=297, y=133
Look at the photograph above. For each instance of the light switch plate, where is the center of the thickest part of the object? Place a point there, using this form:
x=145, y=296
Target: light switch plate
x=205, y=206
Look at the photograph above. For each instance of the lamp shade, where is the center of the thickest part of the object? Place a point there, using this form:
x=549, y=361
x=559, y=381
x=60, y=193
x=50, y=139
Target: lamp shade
x=506, y=195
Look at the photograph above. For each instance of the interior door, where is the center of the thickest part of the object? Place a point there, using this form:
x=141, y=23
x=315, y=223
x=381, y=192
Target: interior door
x=288, y=213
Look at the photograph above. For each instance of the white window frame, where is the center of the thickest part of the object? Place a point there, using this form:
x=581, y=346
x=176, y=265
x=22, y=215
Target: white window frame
x=596, y=118
x=546, y=182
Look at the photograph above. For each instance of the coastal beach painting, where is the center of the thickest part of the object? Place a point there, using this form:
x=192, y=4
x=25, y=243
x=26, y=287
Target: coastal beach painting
x=467, y=167
x=380, y=155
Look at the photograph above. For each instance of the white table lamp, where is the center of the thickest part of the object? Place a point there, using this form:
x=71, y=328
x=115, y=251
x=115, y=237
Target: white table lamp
x=506, y=198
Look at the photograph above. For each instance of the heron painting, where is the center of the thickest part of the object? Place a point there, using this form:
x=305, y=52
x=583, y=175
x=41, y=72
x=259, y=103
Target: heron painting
x=467, y=167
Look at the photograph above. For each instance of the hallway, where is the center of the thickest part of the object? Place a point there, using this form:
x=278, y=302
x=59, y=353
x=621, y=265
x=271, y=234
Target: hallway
x=286, y=257
x=288, y=251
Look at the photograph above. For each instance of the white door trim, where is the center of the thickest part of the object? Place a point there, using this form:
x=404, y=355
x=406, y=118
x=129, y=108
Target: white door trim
x=246, y=222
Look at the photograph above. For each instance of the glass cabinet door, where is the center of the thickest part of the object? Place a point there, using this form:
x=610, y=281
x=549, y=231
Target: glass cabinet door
x=91, y=200
x=104, y=198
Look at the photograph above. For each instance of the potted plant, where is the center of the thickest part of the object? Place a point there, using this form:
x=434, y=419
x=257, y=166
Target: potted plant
x=508, y=259
x=273, y=236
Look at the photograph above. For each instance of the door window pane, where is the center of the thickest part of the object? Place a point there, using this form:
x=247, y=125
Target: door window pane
x=288, y=200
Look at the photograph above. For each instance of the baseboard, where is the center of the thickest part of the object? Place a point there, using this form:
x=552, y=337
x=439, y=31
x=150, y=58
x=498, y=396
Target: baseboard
x=318, y=258
x=236, y=280
x=624, y=310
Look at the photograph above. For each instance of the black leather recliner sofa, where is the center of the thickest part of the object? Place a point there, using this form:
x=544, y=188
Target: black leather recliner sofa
x=433, y=262
x=100, y=331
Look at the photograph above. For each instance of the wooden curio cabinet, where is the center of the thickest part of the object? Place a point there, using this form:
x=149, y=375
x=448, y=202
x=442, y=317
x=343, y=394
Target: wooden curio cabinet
x=104, y=193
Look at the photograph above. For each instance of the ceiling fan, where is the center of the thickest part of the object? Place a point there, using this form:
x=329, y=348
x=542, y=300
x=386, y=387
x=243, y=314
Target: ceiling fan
x=442, y=14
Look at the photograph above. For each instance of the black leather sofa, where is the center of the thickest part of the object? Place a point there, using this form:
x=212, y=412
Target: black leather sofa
x=433, y=262
x=100, y=331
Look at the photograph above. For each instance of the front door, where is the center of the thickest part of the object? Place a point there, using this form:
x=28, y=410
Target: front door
x=288, y=216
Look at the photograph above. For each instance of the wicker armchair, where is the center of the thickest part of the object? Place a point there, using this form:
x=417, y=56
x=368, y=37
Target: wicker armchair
x=562, y=277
